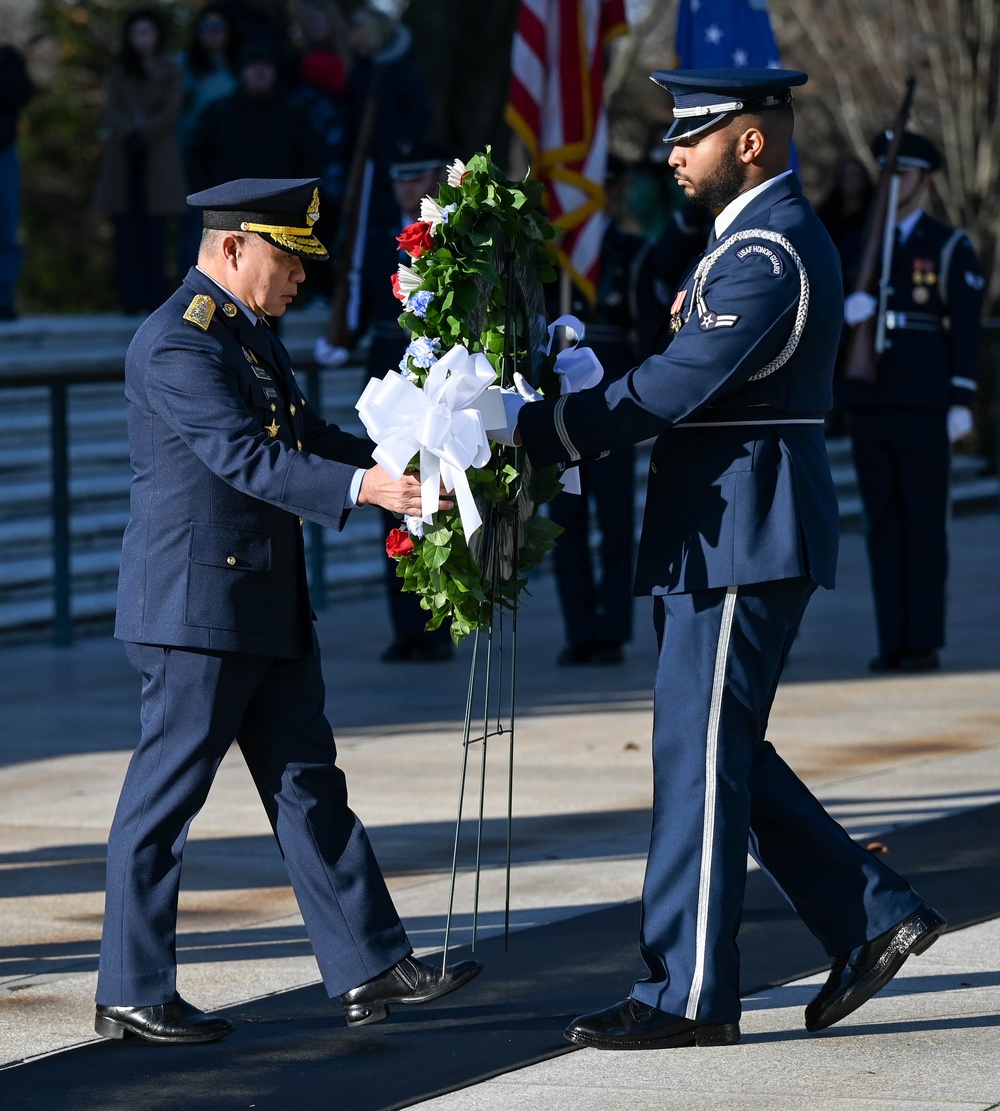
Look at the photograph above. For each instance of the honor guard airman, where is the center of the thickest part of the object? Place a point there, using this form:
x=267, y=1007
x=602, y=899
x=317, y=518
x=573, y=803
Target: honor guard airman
x=903, y=423
x=227, y=459
x=741, y=526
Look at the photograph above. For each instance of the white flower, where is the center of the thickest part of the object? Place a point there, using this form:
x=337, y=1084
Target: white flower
x=455, y=171
x=432, y=213
x=414, y=525
x=409, y=280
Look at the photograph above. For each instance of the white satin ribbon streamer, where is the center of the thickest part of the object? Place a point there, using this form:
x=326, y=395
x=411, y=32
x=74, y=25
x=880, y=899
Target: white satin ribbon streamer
x=441, y=421
x=578, y=369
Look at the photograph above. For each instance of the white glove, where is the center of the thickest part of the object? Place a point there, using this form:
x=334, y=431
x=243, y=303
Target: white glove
x=959, y=422
x=327, y=355
x=513, y=403
x=525, y=388
x=859, y=307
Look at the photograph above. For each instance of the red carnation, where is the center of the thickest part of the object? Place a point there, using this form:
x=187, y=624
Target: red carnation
x=398, y=543
x=397, y=292
x=416, y=239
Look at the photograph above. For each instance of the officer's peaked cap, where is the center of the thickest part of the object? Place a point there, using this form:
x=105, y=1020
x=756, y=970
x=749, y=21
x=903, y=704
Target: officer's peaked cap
x=915, y=151
x=704, y=97
x=414, y=158
x=281, y=210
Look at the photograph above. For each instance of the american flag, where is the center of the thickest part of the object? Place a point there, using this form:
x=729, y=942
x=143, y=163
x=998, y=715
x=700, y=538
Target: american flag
x=556, y=106
x=712, y=34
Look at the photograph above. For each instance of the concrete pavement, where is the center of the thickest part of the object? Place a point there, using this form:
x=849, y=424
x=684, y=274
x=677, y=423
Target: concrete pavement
x=882, y=752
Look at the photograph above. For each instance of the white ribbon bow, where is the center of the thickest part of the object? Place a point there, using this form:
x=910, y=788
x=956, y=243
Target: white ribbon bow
x=442, y=421
x=578, y=369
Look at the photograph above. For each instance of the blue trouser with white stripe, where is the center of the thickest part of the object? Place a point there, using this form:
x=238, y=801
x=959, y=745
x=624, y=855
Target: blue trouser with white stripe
x=720, y=787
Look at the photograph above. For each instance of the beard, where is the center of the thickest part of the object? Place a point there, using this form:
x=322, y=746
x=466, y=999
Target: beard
x=724, y=183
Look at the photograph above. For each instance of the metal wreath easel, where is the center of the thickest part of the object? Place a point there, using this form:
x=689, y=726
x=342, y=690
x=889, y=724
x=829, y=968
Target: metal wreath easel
x=496, y=551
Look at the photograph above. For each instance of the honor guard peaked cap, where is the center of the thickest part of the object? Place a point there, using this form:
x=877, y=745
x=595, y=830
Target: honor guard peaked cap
x=915, y=152
x=704, y=97
x=414, y=159
x=281, y=210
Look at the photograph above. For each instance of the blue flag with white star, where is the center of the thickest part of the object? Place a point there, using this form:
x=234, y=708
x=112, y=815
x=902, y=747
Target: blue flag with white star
x=717, y=34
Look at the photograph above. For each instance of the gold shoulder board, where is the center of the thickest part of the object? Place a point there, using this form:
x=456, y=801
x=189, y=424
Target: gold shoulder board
x=200, y=311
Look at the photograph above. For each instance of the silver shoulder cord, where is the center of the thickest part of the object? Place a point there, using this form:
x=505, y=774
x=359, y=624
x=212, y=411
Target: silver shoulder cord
x=706, y=264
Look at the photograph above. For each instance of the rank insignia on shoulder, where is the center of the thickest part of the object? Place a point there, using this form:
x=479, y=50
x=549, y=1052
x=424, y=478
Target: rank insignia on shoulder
x=230, y=309
x=200, y=311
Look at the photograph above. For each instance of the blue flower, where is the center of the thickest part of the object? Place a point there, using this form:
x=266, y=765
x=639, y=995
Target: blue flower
x=417, y=302
x=422, y=352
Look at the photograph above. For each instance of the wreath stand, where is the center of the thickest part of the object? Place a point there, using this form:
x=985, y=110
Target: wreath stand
x=491, y=696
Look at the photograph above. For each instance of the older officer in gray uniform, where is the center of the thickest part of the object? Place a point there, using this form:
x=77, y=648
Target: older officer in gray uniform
x=227, y=459
x=741, y=526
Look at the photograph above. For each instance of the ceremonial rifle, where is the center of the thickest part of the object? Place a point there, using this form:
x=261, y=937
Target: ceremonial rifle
x=867, y=339
x=349, y=247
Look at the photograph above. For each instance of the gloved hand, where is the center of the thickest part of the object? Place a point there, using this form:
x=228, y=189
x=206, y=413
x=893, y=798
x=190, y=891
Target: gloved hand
x=959, y=422
x=327, y=355
x=513, y=403
x=859, y=307
x=525, y=388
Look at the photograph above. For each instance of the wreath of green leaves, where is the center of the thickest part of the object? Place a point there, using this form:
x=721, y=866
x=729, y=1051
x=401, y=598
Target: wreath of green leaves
x=459, y=290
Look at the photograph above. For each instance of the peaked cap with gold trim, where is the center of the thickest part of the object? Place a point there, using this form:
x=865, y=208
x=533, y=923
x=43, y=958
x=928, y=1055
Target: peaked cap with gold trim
x=282, y=210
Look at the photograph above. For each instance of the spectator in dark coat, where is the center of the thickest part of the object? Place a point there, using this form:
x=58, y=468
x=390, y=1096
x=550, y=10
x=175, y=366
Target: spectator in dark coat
x=253, y=132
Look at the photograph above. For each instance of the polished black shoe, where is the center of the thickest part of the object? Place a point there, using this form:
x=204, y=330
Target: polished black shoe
x=574, y=655
x=410, y=981
x=607, y=653
x=923, y=661
x=173, y=1023
x=632, y=1025
x=856, y=976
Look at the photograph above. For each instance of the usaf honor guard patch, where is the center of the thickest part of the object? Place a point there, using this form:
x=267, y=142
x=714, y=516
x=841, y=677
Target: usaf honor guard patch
x=200, y=311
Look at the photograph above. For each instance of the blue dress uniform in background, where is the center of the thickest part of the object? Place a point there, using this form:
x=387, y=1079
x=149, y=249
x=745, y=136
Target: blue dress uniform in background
x=596, y=601
x=228, y=458
x=741, y=525
x=899, y=425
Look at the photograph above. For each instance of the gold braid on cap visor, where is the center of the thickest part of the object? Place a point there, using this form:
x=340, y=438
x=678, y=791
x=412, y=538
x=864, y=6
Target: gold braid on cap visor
x=300, y=240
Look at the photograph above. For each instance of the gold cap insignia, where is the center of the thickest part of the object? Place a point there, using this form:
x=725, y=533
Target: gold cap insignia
x=312, y=212
x=200, y=311
x=272, y=428
x=230, y=309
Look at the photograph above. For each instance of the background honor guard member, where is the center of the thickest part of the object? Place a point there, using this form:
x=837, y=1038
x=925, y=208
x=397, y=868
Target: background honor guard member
x=228, y=458
x=741, y=525
x=903, y=424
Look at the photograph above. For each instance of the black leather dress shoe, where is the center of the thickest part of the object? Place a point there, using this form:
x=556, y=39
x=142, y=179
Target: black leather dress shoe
x=922, y=661
x=856, y=976
x=410, y=981
x=173, y=1023
x=632, y=1025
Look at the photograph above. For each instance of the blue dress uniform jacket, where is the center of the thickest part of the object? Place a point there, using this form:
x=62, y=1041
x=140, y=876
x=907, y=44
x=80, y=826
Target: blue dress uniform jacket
x=226, y=455
x=729, y=500
x=741, y=524
x=932, y=325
